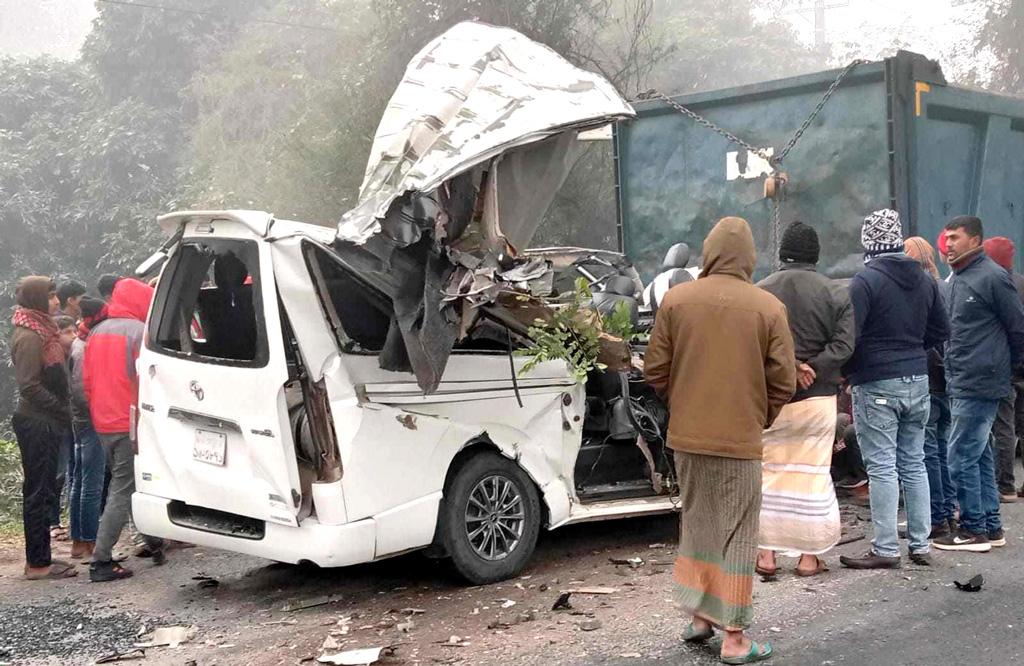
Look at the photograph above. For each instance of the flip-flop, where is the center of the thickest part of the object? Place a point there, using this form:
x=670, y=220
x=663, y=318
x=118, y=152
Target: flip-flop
x=751, y=657
x=691, y=635
x=763, y=571
x=58, y=570
x=819, y=568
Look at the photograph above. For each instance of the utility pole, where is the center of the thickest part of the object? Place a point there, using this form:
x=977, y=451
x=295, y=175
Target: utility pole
x=819, y=8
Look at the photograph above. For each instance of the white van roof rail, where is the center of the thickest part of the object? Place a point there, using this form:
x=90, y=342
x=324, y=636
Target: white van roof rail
x=258, y=221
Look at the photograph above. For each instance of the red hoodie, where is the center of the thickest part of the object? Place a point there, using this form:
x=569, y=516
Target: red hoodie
x=108, y=374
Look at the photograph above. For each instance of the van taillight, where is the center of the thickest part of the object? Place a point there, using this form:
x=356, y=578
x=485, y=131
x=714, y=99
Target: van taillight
x=133, y=428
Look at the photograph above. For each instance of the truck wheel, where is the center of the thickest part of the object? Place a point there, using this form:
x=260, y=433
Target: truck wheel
x=491, y=519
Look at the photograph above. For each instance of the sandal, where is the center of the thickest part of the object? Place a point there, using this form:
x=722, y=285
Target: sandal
x=820, y=567
x=764, y=571
x=753, y=656
x=103, y=572
x=691, y=635
x=56, y=571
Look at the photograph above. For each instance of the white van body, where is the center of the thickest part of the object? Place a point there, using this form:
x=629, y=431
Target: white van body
x=219, y=463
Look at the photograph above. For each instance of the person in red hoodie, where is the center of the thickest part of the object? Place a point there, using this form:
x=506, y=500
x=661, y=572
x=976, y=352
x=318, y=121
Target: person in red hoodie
x=1009, y=423
x=112, y=388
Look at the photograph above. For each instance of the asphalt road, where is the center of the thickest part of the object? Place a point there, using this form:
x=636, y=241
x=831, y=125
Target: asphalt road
x=909, y=616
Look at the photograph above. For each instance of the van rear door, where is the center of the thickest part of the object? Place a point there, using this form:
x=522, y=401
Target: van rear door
x=214, y=421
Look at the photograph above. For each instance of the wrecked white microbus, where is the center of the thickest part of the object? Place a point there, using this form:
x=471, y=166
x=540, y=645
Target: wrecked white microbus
x=341, y=395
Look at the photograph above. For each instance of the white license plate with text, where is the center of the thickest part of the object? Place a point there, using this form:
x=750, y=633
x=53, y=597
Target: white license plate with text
x=210, y=447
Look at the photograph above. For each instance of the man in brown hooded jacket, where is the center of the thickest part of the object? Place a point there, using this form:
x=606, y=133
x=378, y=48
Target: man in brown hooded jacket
x=721, y=354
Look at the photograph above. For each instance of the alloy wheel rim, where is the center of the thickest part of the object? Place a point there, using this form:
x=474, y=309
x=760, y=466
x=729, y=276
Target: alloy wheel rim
x=494, y=518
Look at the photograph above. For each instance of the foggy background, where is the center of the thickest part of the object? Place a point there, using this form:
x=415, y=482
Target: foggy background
x=114, y=111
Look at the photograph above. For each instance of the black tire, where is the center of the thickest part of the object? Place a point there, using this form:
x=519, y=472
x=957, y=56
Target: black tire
x=485, y=471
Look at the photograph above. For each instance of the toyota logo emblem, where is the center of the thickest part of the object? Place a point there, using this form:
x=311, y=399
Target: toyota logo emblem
x=197, y=391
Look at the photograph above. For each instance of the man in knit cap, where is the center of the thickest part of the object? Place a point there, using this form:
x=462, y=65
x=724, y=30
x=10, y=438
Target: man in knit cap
x=1009, y=424
x=985, y=345
x=899, y=316
x=799, y=511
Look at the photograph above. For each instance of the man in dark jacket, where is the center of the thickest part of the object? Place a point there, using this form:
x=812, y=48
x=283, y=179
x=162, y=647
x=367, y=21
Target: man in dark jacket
x=821, y=320
x=899, y=317
x=40, y=419
x=987, y=342
x=111, y=390
x=1008, y=426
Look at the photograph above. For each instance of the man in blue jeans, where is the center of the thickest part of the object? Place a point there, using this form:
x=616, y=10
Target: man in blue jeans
x=899, y=315
x=986, y=344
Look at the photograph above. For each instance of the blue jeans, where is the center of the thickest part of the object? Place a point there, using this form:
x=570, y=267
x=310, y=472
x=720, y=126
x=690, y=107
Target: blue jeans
x=972, y=464
x=87, y=484
x=65, y=472
x=936, y=446
x=890, y=417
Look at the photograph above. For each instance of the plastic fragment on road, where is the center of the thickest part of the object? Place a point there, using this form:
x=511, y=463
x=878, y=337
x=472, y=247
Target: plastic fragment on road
x=353, y=657
x=973, y=585
x=169, y=636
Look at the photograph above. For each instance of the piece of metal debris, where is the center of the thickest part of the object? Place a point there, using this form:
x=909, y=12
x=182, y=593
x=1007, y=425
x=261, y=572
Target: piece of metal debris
x=121, y=656
x=563, y=602
x=301, y=604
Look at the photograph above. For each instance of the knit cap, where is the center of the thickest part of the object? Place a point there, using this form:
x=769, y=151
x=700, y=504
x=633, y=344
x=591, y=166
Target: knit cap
x=799, y=244
x=1000, y=250
x=882, y=232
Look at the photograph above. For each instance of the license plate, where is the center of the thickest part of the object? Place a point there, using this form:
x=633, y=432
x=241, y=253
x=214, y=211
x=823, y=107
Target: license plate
x=210, y=447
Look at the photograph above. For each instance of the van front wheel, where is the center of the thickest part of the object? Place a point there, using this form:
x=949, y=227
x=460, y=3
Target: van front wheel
x=491, y=519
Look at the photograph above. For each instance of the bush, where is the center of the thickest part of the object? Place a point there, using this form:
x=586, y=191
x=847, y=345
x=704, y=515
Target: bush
x=10, y=484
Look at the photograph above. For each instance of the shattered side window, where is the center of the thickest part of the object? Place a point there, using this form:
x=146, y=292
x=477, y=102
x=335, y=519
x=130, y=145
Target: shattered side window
x=208, y=306
x=359, y=315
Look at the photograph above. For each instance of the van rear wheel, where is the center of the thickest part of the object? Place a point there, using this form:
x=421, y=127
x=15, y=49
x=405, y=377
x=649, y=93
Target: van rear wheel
x=491, y=519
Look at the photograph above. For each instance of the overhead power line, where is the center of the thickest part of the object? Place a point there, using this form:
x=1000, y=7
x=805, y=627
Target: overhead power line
x=197, y=12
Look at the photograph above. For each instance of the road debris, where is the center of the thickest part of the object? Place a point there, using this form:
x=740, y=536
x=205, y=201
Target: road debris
x=973, y=585
x=354, y=657
x=562, y=603
x=330, y=644
x=593, y=590
x=508, y=603
x=302, y=604
x=121, y=656
x=590, y=625
x=407, y=626
x=633, y=562
x=169, y=636
x=455, y=641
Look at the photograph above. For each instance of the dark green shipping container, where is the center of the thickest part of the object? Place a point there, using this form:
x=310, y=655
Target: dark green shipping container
x=894, y=135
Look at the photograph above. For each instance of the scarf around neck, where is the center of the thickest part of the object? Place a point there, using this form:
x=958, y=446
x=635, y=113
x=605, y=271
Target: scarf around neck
x=45, y=327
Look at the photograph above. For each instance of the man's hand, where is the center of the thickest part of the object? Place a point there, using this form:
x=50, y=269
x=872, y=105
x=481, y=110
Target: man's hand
x=805, y=376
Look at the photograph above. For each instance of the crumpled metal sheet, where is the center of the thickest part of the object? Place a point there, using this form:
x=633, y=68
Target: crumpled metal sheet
x=469, y=95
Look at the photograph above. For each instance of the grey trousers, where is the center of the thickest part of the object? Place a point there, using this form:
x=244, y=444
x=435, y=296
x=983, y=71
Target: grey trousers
x=1009, y=425
x=121, y=463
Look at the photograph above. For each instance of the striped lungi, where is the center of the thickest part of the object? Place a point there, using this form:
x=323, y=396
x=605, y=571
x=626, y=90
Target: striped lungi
x=720, y=500
x=799, y=511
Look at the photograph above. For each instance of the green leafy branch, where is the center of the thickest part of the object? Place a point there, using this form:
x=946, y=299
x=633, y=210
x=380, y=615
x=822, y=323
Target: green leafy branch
x=571, y=336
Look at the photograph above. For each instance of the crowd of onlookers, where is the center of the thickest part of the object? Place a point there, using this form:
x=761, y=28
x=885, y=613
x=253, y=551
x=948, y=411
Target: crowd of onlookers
x=901, y=380
x=74, y=358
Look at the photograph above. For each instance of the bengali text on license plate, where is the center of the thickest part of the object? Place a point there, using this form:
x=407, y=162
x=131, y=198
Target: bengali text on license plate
x=210, y=447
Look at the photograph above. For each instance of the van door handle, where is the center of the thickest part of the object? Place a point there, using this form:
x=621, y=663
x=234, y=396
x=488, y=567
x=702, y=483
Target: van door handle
x=202, y=419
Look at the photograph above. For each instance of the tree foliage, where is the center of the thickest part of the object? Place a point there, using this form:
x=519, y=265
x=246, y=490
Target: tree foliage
x=273, y=104
x=1002, y=34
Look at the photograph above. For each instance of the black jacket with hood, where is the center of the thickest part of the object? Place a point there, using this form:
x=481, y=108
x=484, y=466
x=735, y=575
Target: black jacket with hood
x=821, y=320
x=899, y=315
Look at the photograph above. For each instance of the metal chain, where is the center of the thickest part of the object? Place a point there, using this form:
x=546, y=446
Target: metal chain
x=776, y=160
